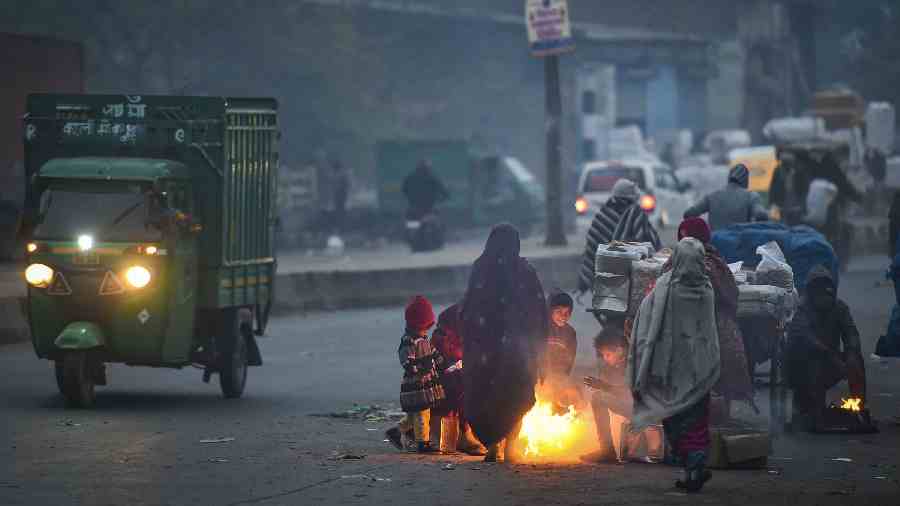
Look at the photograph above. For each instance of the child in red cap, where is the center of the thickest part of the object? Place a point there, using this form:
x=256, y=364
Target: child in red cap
x=420, y=390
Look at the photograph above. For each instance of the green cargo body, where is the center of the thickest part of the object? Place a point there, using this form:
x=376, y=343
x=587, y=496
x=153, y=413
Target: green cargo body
x=229, y=149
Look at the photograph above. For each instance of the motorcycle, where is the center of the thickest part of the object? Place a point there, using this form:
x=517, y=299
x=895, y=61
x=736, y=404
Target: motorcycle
x=424, y=232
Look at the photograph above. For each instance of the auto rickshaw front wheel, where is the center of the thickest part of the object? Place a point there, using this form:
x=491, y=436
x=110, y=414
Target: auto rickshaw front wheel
x=234, y=358
x=75, y=380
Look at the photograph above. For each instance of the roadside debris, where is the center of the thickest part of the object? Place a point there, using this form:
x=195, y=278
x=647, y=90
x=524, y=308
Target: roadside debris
x=368, y=413
x=217, y=440
x=449, y=467
x=219, y=461
x=366, y=477
x=842, y=459
x=347, y=456
x=879, y=477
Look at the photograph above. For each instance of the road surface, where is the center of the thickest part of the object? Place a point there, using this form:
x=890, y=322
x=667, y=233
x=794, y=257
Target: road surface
x=142, y=445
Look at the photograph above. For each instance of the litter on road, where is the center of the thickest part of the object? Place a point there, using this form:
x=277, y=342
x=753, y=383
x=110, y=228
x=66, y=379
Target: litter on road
x=363, y=477
x=842, y=459
x=217, y=440
x=450, y=467
x=348, y=456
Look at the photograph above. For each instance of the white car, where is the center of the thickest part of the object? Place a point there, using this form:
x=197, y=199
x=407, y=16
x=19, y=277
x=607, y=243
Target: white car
x=663, y=196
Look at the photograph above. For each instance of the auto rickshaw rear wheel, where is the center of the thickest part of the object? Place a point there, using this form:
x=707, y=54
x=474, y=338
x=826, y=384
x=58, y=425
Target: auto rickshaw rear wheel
x=233, y=362
x=77, y=380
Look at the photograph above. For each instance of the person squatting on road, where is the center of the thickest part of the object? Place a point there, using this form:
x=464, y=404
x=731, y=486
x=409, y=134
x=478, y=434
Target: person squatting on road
x=816, y=361
x=889, y=344
x=562, y=341
x=504, y=322
x=620, y=219
x=559, y=355
x=448, y=342
x=732, y=204
x=420, y=390
x=611, y=393
x=673, y=359
x=735, y=382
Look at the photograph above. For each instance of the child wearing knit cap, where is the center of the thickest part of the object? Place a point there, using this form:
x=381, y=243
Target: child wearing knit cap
x=420, y=389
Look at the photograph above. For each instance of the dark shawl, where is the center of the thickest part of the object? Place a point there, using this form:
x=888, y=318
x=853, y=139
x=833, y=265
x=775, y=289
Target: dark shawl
x=505, y=324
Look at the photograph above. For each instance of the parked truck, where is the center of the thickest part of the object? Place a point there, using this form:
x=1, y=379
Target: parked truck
x=150, y=223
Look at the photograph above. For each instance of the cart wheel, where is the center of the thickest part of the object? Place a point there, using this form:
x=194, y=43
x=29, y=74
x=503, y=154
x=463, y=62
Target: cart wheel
x=77, y=381
x=233, y=370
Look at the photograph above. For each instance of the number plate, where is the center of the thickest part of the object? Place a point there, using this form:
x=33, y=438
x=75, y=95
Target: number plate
x=86, y=259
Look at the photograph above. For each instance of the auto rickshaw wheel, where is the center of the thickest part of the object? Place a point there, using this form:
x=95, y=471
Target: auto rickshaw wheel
x=77, y=380
x=233, y=370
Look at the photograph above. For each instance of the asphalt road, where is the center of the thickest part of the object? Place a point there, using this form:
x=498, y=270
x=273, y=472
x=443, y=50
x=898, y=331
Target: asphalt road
x=142, y=444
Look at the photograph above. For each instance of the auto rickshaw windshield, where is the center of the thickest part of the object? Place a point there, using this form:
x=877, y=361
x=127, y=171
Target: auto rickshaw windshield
x=107, y=212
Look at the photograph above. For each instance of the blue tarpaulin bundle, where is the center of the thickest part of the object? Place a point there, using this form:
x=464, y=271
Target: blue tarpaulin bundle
x=803, y=247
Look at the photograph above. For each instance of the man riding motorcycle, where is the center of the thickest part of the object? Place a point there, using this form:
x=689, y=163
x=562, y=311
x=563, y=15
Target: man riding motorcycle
x=423, y=190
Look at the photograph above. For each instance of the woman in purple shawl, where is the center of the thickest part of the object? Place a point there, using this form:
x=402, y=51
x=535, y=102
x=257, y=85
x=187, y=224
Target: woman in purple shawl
x=504, y=320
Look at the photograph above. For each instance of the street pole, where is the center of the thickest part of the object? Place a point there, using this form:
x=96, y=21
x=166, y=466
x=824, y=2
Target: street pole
x=553, y=105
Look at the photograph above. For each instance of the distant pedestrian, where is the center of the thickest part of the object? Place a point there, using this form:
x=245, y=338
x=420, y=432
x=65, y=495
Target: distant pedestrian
x=673, y=360
x=340, y=191
x=504, y=321
x=620, y=219
x=420, y=390
x=732, y=204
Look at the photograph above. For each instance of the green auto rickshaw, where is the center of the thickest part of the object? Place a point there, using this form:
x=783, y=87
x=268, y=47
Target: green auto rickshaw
x=150, y=224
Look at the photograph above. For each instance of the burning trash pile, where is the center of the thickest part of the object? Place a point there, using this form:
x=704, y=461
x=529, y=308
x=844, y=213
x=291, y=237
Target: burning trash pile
x=851, y=417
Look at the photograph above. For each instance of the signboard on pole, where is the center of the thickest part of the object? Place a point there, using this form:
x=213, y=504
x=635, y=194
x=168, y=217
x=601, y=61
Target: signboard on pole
x=549, y=31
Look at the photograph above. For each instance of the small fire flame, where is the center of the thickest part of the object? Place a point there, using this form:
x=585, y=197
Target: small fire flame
x=852, y=404
x=546, y=434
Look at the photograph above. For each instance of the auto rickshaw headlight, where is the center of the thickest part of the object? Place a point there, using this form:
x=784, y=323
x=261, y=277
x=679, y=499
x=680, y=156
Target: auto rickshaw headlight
x=137, y=276
x=31, y=247
x=39, y=275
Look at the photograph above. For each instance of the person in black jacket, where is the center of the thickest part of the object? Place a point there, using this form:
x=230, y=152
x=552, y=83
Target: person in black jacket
x=823, y=349
x=423, y=190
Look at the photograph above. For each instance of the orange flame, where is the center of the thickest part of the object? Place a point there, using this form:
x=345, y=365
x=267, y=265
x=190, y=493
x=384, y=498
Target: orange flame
x=852, y=404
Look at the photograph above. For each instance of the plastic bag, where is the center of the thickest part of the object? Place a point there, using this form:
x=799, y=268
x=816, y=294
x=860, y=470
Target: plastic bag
x=773, y=269
x=819, y=199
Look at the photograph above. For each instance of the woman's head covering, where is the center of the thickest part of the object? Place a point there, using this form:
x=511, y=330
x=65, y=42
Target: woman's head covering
x=419, y=314
x=503, y=242
x=696, y=228
x=625, y=189
x=687, y=263
x=739, y=175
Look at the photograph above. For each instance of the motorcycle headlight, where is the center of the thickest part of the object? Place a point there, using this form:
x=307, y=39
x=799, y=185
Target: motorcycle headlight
x=138, y=276
x=39, y=275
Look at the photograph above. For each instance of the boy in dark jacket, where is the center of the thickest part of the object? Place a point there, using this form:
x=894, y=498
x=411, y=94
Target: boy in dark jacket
x=562, y=343
x=420, y=390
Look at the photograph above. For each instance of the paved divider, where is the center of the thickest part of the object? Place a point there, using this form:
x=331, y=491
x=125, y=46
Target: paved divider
x=324, y=290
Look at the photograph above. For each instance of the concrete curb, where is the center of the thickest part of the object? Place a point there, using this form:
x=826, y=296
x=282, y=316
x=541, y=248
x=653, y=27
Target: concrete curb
x=13, y=326
x=315, y=291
